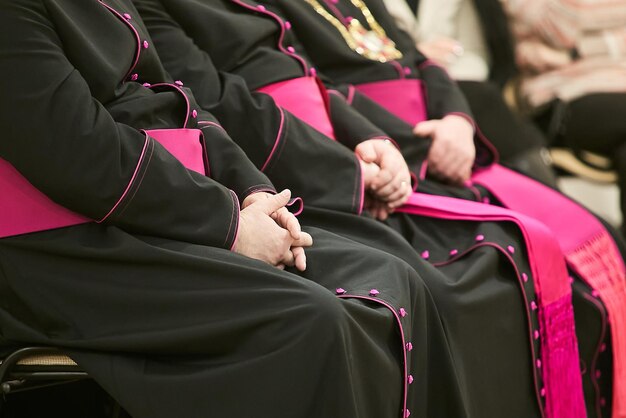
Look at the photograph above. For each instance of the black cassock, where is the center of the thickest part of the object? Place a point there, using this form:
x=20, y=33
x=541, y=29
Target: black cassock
x=150, y=300
x=483, y=308
x=271, y=41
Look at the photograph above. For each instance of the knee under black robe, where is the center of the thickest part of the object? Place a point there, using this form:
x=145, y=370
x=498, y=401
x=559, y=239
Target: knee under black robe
x=149, y=298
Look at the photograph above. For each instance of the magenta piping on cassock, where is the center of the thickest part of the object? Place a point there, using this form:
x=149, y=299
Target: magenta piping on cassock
x=559, y=349
x=303, y=98
x=132, y=28
x=204, y=124
x=296, y=205
x=405, y=411
x=278, y=137
x=130, y=182
x=234, y=219
x=521, y=283
x=178, y=89
x=263, y=10
x=596, y=355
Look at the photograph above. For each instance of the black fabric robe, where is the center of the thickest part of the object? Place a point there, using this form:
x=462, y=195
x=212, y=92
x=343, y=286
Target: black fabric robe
x=344, y=66
x=263, y=55
x=195, y=37
x=150, y=301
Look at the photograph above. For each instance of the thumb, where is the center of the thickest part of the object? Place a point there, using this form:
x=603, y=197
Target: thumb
x=425, y=128
x=275, y=202
x=366, y=152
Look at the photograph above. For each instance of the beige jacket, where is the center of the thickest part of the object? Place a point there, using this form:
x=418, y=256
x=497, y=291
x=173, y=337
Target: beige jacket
x=548, y=30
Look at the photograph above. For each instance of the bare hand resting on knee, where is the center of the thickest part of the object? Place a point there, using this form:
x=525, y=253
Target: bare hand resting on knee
x=270, y=233
x=452, y=152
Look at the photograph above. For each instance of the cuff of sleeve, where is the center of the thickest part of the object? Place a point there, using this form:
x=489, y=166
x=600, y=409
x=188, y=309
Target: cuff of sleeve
x=486, y=152
x=260, y=188
x=233, y=230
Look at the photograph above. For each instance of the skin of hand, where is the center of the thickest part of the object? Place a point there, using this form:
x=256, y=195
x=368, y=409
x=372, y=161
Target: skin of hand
x=376, y=207
x=538, y=57
x=270, y=233
x=443, y=51
x=452, y=152
x=390, y=186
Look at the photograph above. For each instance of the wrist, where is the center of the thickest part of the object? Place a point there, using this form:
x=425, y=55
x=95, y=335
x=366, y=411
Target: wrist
x=462, y=121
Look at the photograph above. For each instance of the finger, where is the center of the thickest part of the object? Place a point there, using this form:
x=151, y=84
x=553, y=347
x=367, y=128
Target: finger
x=288, y=258
x=455, y=167
x=300, y=258
x=381, y=180
x=444, y=164
x=275, y=202
x=305, y=240
x=383, y=214
x=426, y=128
x=397, y=198
x=385, y=193
x=280, y=266
x=288, y=221
x=379, y=211
x=366, y=151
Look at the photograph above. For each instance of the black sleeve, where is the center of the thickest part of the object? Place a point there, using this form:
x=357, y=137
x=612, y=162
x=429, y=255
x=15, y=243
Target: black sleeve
x=68, y=146
x=289, y=151
x=444, y=97
x=350, y=127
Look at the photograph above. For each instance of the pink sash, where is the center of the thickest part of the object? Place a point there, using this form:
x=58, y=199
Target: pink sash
x=24, y=209
x=563, y=385
x=587, y=246
x=302, y=97
x=559, y=349
x=412, y=108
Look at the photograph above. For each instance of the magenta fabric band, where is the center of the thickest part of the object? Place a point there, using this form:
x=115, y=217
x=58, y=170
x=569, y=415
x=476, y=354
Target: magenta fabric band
x=412, y=106
x=184, y=144
x=24, y=209
x=302, y=97
x=588, y=248
x=559, y=349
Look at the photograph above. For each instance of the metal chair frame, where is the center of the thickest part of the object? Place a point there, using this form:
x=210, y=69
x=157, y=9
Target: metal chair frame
x=16, y=376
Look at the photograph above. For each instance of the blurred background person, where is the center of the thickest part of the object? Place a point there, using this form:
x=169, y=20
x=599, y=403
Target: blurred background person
x=480, y=57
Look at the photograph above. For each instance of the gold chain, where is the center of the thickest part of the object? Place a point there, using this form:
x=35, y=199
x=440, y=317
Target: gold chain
x=335, y=22
x=369, y=18
x=349, y=38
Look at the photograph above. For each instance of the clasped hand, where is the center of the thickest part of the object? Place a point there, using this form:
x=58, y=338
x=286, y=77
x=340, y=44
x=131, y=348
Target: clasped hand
x=386, y=177
x=270, y=233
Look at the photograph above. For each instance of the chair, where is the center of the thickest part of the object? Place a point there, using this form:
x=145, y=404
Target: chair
x=584, y=164
x=33, y=367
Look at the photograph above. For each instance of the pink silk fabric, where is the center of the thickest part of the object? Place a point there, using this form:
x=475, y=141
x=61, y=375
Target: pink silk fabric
x=25, y=209
x=303, y=98
x=411, y=109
